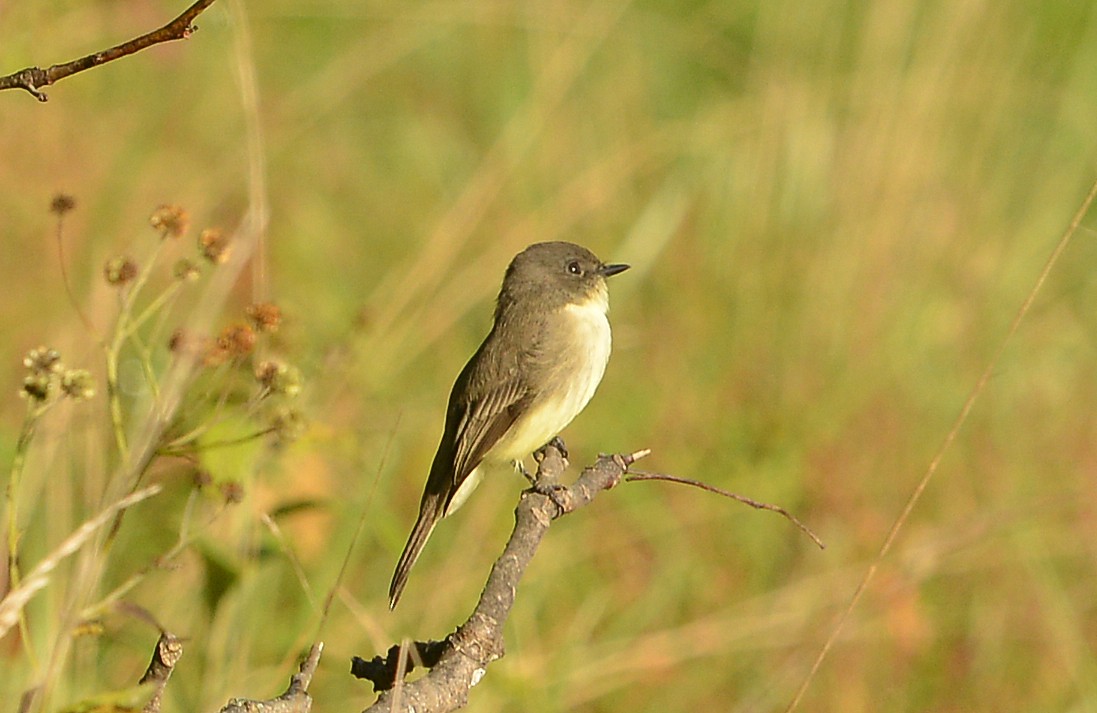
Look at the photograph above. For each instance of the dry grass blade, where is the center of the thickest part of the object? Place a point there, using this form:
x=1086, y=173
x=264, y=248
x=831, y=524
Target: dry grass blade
x=935, y=462
x=38, y=578
x=757, y=505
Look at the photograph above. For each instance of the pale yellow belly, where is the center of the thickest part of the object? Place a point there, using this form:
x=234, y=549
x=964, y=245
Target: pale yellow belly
x=547, y=418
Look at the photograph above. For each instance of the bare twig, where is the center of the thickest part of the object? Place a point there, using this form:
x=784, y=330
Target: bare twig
x=383, y=670
x=296, y=699
x=757, y=505
x=168, y=650
x=458, y=662
x=33, y=79
x=463, y=656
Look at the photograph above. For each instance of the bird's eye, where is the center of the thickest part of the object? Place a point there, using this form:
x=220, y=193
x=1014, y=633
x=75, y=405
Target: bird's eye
x=574, y=268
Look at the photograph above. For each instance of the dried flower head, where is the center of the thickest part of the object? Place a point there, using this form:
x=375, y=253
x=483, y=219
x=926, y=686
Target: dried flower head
x=232, y=491
x=214, y=246
x=237, y=340
x=78, y=384
x=202, y=478
x=171, y=220
x=185, y=270
x=62, y=203
x=178, y=341
x=266, y=316
x=43, y=361
x=119, y=270
x=37, y=387
x=214, y=354
x=278, y=378
x=287, y=425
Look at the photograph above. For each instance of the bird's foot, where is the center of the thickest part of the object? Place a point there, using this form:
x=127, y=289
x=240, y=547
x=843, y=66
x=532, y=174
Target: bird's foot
x=556, y=492
x=521, y=468
x=557, y=443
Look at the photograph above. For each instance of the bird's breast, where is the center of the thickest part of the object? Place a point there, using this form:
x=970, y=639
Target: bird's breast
x=573, y=363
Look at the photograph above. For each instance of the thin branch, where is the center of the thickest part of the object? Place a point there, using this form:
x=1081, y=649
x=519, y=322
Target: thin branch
x=463, y=656
x=168, y=650
x=459, y=661
x=757, y=505
x=296, y=699
x=33, y=79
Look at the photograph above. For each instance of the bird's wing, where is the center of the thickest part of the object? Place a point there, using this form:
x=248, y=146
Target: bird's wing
x=483, y=423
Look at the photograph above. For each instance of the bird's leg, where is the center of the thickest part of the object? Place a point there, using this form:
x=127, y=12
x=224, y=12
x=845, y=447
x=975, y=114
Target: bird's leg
x=554, y=491
x=521, y=468
x=558, y=493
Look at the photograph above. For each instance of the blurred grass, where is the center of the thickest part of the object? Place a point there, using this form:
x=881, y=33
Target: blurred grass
x=833, y=209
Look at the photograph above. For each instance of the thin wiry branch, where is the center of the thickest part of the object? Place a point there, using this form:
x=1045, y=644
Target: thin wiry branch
x=757, y=505
x=296, y=699
x=33, y=79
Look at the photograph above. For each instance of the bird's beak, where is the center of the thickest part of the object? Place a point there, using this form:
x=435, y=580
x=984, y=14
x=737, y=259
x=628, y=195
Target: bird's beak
x=611, y=270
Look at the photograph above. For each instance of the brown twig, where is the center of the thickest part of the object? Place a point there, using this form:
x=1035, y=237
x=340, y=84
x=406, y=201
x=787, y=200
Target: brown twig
x=296, y=699
x=33, y=79
x=458, y=662
x=169, y=648
x=465, y=654
x=757, y=505
x=400, y=660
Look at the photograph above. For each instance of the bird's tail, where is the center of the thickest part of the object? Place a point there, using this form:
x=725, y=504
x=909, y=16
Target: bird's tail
x=430, y=512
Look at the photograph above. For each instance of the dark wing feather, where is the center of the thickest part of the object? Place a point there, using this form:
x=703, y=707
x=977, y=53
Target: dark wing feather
x=481, y=426
x=482, y=407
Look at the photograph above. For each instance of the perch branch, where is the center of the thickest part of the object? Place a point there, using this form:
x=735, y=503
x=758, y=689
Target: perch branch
x=464, y=655
x=458, y=662
x=33, y=79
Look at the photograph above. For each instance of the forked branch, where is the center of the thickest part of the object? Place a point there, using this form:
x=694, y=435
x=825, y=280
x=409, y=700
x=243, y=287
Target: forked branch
x=459, y=661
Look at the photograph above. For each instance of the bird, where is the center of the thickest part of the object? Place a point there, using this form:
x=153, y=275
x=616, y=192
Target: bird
x=537, y=368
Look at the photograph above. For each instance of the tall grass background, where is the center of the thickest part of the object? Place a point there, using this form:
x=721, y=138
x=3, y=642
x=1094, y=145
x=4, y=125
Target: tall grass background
x=833, y=209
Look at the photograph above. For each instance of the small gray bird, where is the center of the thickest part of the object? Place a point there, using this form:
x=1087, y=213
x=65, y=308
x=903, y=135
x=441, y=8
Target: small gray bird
x=535, y=371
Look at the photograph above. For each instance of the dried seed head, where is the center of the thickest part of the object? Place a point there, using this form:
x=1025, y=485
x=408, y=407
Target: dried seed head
x=37, y=387
x=288, y=424
x=232, y=491
x=61, y=204
x=78, y=384
x=278, y=378
x=214, y=354
x=178, y=341
x=202, y=478
x=43, y=361
x=119, y=271
x=186, y=271
x=171, y=220
x=237, y=340
x=214, y=246
x=266, y=316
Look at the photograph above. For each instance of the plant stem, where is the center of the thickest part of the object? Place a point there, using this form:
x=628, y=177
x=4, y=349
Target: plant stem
x=35, y=410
